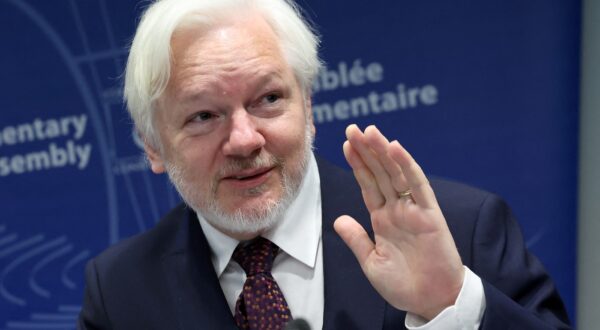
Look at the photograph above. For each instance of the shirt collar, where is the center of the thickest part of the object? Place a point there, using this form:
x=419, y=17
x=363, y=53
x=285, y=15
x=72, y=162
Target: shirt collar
x=298, y=233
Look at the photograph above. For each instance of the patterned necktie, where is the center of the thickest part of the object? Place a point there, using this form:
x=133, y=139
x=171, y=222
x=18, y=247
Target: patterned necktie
x=261, y=304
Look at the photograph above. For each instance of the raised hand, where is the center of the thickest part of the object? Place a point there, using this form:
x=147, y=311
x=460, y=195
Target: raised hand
x=413, y=263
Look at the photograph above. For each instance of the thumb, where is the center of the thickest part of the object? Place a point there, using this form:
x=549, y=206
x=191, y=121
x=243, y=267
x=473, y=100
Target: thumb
x=355, y=236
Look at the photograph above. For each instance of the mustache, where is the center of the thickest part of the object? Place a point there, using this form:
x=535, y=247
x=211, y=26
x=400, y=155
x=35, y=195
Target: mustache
x=262, y=160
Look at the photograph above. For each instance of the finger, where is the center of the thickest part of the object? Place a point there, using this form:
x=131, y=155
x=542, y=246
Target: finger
x=355, y=236
x=379, y=143
x=417, y=181
x=370, y=191
x=357, y=140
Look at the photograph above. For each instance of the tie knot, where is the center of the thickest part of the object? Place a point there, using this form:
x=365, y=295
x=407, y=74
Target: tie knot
x=257, y=256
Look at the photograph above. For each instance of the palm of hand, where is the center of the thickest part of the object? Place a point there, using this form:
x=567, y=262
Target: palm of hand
x=413, y=263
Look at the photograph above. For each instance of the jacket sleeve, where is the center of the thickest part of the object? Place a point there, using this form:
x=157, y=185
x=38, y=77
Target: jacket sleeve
x=519, y=292
x=93, y=314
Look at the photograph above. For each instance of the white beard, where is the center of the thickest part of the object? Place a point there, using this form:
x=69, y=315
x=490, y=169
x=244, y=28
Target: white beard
x=245, y=221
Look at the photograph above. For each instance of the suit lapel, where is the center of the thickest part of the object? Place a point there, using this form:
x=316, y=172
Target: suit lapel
x=350, y=300
x=194, y=286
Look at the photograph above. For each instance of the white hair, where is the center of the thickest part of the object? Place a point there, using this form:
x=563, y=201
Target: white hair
x=149, y=63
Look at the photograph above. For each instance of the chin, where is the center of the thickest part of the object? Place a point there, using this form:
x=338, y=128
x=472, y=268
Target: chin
x=253, y=218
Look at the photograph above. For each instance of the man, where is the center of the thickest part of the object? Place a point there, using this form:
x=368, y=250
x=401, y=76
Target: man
x=220, y=92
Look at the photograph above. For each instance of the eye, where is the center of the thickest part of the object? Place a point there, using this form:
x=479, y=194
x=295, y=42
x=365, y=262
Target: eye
x=271, y=98
x=202, y=116
x=269, y=104
x=202, y=122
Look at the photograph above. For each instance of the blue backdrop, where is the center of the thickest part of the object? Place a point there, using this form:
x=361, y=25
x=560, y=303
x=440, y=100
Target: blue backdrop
x=484, y=92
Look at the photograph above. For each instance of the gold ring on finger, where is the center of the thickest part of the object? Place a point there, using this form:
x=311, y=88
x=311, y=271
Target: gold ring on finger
x=406, y=193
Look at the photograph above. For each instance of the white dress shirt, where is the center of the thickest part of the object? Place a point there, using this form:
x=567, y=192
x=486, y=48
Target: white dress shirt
x=298, y=268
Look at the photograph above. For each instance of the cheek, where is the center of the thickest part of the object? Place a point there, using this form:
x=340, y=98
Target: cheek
x=289, y=131
x=288, y=142
x=197, y=162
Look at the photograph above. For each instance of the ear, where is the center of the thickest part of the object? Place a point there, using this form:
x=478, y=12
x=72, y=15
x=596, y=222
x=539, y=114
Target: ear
x=309, y=112
x=156, y=162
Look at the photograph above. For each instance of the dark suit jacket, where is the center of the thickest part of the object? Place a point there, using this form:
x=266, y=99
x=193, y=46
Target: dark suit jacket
x=164, y=278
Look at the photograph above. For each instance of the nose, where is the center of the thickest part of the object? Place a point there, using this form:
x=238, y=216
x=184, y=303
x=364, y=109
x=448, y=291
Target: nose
x=244, y=138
